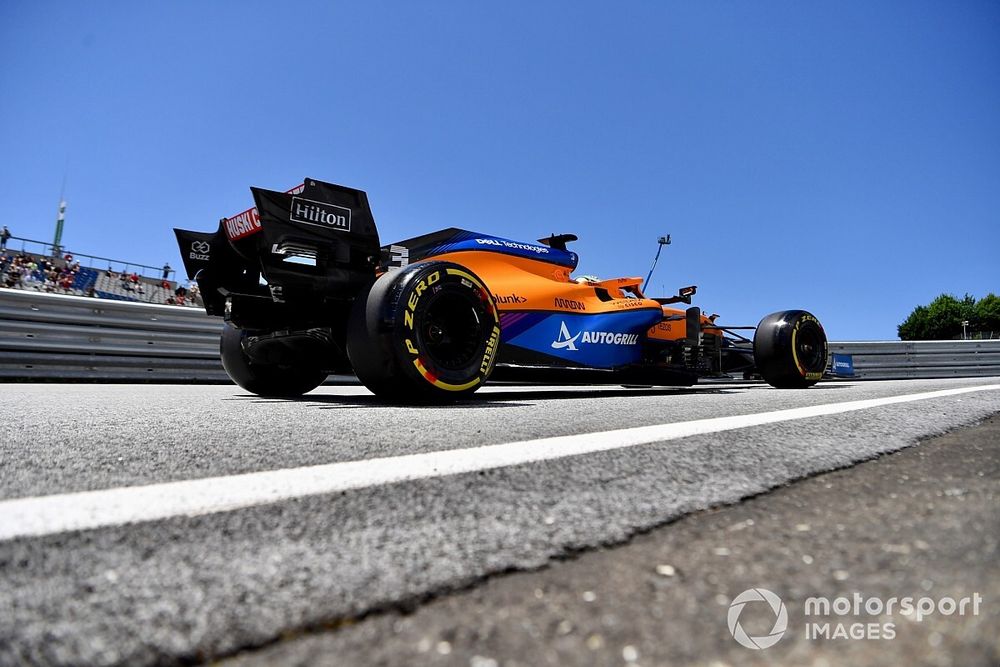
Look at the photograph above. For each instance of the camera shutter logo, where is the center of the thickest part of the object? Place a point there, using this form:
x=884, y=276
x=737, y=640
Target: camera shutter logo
x=780, y=618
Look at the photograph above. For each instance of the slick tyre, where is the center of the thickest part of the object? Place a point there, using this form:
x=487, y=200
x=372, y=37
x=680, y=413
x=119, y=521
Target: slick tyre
x=427, y=333
x=271, y=380
x=790, y=349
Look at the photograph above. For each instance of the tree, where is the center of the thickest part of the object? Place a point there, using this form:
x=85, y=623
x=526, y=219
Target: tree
x=914, y=327
x=942, y=318
x=987, y=314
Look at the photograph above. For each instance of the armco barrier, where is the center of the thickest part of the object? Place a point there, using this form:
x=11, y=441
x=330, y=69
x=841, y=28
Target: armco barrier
x=922, y=359
x=56, y=337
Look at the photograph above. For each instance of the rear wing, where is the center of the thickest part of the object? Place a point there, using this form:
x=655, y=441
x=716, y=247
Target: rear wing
x=246, y=223
x=315, y=239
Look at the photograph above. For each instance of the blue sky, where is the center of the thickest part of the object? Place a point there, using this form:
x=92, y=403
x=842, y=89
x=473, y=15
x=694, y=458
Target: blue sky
x=839, y=157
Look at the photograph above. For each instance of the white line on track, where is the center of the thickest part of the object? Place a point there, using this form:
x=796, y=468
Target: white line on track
x=48, y=515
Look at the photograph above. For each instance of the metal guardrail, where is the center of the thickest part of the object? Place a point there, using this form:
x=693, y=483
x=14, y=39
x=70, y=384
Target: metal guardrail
x=57, y=337
x=878, y=360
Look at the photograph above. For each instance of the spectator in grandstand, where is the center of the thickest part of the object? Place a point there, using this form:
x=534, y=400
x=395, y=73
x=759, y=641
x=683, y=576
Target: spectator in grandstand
x=4, y=237
x=14, y=274
x=180, y=294
x=30, y=273
x=67, y=276
x=166, y=270
x=51, y=280
x=139, y=289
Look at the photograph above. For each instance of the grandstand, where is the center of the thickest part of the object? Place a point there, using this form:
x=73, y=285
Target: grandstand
x=108, y=286
x=31, y=265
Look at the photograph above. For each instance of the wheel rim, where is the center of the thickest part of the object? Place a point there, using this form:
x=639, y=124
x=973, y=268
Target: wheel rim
x=810, y=350
x=451, y=330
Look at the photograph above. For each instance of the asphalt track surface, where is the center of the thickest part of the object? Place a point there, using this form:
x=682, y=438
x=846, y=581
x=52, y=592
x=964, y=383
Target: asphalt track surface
x=207, y=576
x=921, y=522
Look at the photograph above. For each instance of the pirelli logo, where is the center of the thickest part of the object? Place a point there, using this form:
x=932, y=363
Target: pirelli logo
x=320, y=214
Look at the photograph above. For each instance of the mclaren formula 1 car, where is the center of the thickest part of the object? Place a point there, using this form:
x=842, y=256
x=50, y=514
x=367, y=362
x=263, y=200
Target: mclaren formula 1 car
x=307, y=289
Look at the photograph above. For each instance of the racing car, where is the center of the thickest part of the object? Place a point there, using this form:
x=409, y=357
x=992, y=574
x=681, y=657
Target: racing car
x=306, y=289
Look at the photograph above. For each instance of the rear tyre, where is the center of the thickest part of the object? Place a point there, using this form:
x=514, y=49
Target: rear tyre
x=790, y=349
x=272, y=380
x=427, y=333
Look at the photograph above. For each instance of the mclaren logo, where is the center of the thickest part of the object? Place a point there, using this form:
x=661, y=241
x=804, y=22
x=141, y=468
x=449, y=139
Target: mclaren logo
x=566, y=342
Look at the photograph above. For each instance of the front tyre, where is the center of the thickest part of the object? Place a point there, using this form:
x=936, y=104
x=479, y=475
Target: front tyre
x=427, y=333
x=271, y=380
x=790, y=349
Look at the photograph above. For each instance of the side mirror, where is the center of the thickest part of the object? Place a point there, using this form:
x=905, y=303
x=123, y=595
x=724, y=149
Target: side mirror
x=684, y=295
